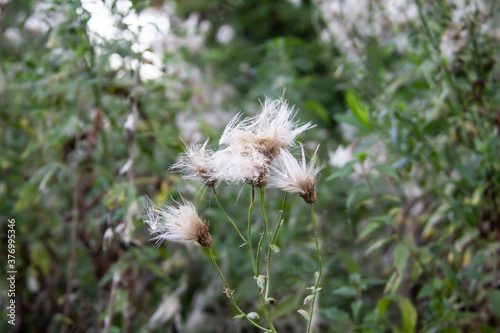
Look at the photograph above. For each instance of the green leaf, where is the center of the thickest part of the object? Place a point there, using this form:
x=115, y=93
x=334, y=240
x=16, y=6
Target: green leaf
x=369, y=228
x=495, y=302
x=349, y=263
x=304, y=314
x=387, y=170
x=354, y=193
x=357, y=109
x=379, y=243
x=308, y=299
x=338, y=316
x=401, y=255
x=392, y=284
x=350, y=120
x=344, y=171
x=261, y=279
x=346, y=291
x=390, y=198
x=356, y=307
x=253, y=315
x=408, y=315
x=317, y=109
x=383, y=305
x=275, y=248
x=241, y=315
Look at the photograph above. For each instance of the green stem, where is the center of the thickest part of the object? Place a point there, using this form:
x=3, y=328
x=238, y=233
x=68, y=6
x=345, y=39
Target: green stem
x=228, y=218
x=266, y=229
x=250, y=250
x=268, y=265
x=320, y=269
x=280, y=220
x=272, y=243
x=230, y=293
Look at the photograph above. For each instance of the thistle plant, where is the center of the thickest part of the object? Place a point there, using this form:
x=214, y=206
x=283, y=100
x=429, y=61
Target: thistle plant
x=251, y=151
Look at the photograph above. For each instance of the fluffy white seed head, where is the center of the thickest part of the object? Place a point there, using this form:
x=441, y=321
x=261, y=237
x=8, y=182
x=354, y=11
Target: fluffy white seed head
x=240, y=163
x=291, y=175
x=178, y=222
x=273, y=129
x=195, y=163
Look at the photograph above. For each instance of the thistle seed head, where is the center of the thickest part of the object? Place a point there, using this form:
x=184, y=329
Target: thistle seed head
x=178, y=222
x=293, y=176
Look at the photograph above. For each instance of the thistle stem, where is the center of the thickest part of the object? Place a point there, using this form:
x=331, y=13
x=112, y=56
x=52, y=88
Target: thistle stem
x=259, y=249
x=280, y=220
x=272, y=243
x=268, y=231
x=230, y=293
x=320, y=269
x=250, y=249
x=228, y=218
x=255, y=264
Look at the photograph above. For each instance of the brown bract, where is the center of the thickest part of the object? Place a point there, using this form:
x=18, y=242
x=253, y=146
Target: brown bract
x=269, y=147
x=307, y=191
x=203, y=235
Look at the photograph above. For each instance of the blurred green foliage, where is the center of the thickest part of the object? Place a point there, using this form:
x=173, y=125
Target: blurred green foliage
x=409, y=216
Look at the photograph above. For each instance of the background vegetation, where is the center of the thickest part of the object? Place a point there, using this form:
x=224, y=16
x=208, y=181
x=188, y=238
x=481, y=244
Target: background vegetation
x=405, y=96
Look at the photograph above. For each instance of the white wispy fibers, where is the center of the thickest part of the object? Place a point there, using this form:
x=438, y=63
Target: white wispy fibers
x=291, y=175
x=240, y=163
x=268, y=132
x=195, y=163
x=178, y=222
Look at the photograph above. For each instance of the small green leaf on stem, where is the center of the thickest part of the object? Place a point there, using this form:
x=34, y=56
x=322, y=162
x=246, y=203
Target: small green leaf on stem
x=308, y=299
x=275, y=248
x=261, y=280
x=241, y=315
x=304, y=314
x=253, y=315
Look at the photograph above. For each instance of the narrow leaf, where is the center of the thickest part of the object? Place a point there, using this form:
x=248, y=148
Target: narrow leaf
x=357, y=109
x=308, y=299
x=344, y=171
x=408, y=315
x=304, y=314
x=387, y=170
x=401, y=255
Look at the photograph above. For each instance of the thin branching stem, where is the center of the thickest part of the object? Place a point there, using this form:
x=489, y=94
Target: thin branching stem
x=268, y=270
x=267, y=230
x=228, y=218
x=249, y=231
x=230, y=293
x=275, y=235
x=264, y=232
x=272, y=242
x=320, y=269
x=255, y=263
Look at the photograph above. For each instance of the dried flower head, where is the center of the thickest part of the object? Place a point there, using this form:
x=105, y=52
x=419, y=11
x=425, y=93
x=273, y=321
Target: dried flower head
x=238, y=163
x=268, y=132
x=195, y=162
x=177, y=223
x=296, y=177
